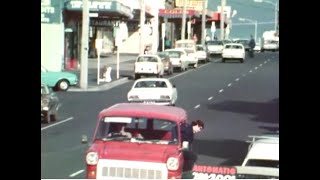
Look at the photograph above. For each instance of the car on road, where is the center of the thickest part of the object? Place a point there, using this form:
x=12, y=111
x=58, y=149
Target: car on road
x=168, y=67
x=148, y=65
x=49, y=104
x=153, y=91
x=244, y=42
x=214, y=47
x=58, y=80
x=263, y=151
x=178, y=58
x=202, y=54
x=233, y=51
x=148, y=146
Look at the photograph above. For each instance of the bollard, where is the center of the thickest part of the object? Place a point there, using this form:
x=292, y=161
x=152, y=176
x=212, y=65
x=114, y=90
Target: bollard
x=108, y=75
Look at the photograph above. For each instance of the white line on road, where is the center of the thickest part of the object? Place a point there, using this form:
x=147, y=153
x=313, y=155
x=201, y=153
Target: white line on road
x=229, y=84
x=260, y=65
x=221, y=90
x=76, y=173
x=237, y=79
x=256, y=68
x=210, y=98
x=265, y=62
x=243, y=75
x=197, y=106
x=70, y=118
x=250, y=71
x=268, y=59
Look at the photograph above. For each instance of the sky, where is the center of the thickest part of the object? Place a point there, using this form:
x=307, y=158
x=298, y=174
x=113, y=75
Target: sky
x=261, y=12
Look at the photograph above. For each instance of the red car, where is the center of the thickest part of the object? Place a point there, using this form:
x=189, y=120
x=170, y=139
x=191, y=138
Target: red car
x=139, y=141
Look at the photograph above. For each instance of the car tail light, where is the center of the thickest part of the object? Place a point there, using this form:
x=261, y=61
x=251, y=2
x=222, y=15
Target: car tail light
x=91, y=172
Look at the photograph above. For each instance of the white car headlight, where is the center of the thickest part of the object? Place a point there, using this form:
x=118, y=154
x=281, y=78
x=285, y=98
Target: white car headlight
x=172, y=163
x=92, y=158
x=46, y=108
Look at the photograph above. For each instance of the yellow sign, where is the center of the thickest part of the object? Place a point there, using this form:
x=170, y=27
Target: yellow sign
x=195, y=4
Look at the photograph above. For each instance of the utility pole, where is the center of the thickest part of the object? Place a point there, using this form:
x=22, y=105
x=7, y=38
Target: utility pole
x=142, y=19
x=275, y=16
x=222, y=20
x=183, y=26
x=203, y=21
x=84, y=45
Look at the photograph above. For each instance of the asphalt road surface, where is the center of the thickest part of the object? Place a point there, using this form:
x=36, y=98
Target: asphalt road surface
x=233, y=99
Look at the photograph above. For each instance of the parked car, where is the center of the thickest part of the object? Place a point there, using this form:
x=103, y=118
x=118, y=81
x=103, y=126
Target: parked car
x=233, y=51
x=263, y=151
x=178, y=58
x=154, y=150
x=202, y=54
x=148, y=65
x=58, y=80
x=49, y=104
x=153, y=91
x=190, y=47
x=168, y=67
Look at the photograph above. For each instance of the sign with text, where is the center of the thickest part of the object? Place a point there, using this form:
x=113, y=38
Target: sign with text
x=214, y=172
x=51, y=11
x=195, y=4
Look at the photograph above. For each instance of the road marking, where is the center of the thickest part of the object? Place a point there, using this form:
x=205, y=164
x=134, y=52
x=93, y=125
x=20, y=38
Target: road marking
x=70, y=118
x=229, y=84
x=243, y=75
x=210, y=98
x=59, y=105
x=268, y=59
x=76, y=173
x=265, y=62
x=197, y=106
x=256, y=68
x=237, y=79
x=260, y=65
x=250, y=71
x=221, y=90
x=187, y=71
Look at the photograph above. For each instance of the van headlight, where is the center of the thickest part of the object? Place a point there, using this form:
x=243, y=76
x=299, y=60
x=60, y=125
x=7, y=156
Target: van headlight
x=172, y=163
x=92, y=158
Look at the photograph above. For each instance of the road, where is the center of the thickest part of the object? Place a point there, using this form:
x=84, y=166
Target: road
x=233, y=99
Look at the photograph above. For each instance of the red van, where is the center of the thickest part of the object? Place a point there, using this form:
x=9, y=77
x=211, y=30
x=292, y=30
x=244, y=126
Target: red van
x=138, y=141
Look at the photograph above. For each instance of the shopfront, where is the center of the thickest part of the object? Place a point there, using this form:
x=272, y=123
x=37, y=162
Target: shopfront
x=105, y=17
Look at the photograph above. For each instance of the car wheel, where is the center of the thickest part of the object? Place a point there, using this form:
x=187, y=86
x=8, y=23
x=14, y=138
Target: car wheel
x=47, y=118
x=53, y=117
x=241, y=60
x=63, y=85
x=223, y=60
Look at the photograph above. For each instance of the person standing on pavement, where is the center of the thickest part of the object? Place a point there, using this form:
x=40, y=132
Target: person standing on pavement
x=252, y=45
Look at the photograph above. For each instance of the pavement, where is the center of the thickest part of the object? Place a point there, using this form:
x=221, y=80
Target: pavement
x=126, y=65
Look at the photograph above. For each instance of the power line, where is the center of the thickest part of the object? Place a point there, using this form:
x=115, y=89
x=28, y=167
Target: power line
x=238, y=24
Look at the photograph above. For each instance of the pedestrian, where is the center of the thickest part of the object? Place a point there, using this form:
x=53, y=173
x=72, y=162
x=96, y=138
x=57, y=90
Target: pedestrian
x=195, y=38
x=252, y=45
x=188, y=131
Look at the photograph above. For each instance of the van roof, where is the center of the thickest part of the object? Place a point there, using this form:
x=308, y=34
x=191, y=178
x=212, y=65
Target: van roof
x=146, y=110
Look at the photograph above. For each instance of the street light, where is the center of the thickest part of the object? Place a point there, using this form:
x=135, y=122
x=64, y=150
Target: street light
x=255, y=22
x=275, y=4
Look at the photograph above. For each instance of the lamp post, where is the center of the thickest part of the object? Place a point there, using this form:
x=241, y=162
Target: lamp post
x=255, y=22
x=275, y=4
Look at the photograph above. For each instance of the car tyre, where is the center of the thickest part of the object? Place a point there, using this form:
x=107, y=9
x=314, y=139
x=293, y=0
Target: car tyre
x=63, y=85
x=47, y=117
x=241, y=60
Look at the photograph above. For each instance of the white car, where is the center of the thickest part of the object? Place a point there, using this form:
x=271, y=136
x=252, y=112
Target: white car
x=147, y=65
x=214, y=47
x=263, y=151
x=202, y=53
x=158, y=91
x=233, y=51
x=179, y=58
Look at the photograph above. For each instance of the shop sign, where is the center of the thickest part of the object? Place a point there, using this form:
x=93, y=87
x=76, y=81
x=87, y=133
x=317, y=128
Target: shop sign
x=213, y=172
x=50, y=12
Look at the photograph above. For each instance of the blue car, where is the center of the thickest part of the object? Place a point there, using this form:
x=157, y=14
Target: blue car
x=58, y=80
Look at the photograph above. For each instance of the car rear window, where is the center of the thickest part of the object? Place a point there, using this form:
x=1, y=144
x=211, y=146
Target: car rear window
x=147, y=59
